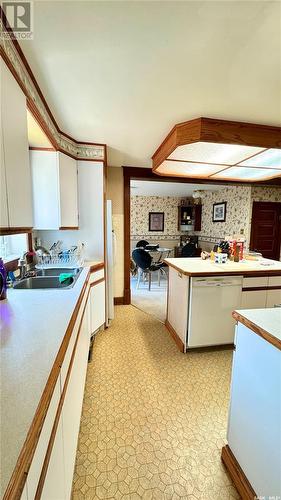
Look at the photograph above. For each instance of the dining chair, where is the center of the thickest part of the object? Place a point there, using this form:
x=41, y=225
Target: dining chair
x=145, y=266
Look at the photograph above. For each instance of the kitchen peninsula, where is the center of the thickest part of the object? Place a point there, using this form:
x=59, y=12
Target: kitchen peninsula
x=202, y=296
x=253, y=454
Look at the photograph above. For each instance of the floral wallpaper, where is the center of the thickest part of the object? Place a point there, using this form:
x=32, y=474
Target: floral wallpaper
x=140, y=208
x=238, y=200
x=266, y=193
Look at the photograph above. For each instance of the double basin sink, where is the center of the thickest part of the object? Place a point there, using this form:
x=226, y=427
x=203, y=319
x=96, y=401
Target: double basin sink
x=48, y=278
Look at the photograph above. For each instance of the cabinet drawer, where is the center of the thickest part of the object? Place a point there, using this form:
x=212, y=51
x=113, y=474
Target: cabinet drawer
x=255, y=282
x=40, y=452
x=97, y=275
x=274, y=281
x=273, y=298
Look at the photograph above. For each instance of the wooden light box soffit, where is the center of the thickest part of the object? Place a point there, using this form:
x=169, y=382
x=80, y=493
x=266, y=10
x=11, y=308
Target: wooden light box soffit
x=207, y=148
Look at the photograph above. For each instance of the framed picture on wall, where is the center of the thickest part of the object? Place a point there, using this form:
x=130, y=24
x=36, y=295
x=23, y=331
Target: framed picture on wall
x=219, y=212
x=156, y=221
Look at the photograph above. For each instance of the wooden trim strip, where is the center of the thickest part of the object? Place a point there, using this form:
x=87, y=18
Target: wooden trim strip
x=33, y=148
x=69, y=228
x=96, y=267
x=5, y=231
x=118, y=301
x=18, y=478
x=237, y=475
x=257, y=329
x=260, y=288
x=227, y=273
x=58, y=413
x=175, y=336
x=94, y=283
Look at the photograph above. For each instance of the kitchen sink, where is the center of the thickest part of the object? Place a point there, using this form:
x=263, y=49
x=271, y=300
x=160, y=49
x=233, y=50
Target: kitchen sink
x=50, y=280
x=56, y=271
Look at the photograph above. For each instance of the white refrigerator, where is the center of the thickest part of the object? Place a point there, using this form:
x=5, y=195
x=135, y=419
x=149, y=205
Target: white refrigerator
x=109, y=264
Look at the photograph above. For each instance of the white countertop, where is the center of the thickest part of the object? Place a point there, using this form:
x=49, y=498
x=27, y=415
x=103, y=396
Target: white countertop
x=268, y=320
x=33, y=324
x=197, y=266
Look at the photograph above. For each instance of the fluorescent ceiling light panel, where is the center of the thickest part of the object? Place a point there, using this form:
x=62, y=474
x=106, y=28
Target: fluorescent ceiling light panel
x=247, y=174
x=271, y=158
x=211, y=152
x=182, y=168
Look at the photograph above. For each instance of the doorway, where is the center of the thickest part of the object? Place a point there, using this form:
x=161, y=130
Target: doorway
x=266, y=229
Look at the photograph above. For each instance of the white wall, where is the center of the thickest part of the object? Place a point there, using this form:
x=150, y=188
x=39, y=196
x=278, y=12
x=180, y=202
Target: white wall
x=90, y=232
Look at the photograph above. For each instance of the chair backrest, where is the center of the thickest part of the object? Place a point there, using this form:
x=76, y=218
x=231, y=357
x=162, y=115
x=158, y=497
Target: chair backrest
x=141, y=244
x=189, y=250
x=142, y=258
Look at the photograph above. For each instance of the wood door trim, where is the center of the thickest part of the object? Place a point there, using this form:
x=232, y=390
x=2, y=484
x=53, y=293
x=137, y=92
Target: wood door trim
x=174, y=336
x=237, y=475
x=238, y=316
x=19, y=475
x=68, y=228
x=59, y=410
x=6, y=231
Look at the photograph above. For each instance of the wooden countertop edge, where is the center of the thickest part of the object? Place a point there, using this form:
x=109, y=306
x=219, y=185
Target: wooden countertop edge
x=267, y=272
x=257, y=329
x=96, y=267
x=19, y=475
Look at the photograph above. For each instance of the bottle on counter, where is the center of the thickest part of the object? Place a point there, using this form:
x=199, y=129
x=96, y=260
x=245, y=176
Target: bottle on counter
x=3, y=279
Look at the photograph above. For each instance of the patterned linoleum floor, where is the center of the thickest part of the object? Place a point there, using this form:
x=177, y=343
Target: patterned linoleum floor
x=154, y=420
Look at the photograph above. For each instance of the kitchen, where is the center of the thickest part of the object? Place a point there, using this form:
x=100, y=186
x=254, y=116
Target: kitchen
x=122, y=425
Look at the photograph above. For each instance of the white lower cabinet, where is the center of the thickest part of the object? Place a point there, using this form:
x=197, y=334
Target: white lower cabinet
x=178, y=292
x=72, y=407
x=97, y=301
x=273, y=298
x=58, y=480
x=54, y=484
x=254, y=299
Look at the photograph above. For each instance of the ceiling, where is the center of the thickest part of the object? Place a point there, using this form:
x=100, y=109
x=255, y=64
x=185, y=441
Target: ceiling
x=124, y=73
x=180, y=189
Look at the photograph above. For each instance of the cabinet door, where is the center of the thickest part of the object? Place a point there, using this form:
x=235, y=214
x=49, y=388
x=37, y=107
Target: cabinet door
x=97, y=301
x=54, y=484
x=68, y=191
x=178, y=294
x=255, y=299
x=42, y=445
x=44, y=167
x=72, y=407
x=273, y=298
x=15, y=148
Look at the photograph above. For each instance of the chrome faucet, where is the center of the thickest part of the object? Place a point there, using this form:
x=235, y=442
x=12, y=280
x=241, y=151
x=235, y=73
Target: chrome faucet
x=23, y=266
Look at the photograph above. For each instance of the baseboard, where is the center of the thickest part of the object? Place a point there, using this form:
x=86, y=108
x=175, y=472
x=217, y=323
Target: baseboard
x=175, y=336
x=211, y=348
x=237, y=475
x=118, y=301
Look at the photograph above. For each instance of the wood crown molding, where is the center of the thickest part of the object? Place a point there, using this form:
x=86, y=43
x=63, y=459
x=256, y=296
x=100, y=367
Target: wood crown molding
x=219, y=131
x=15, y=60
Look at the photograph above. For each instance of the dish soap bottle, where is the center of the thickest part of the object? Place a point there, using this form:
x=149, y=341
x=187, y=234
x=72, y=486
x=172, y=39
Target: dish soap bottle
x=3, y=278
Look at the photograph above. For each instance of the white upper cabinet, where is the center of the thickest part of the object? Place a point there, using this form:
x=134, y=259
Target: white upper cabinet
x=16, y=191
x=54, y=183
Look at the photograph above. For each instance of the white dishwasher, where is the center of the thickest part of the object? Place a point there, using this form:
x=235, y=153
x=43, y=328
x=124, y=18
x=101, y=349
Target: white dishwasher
x=211, y=302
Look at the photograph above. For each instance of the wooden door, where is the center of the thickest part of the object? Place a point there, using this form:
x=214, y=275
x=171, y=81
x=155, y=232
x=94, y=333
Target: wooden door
x=266, y=229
